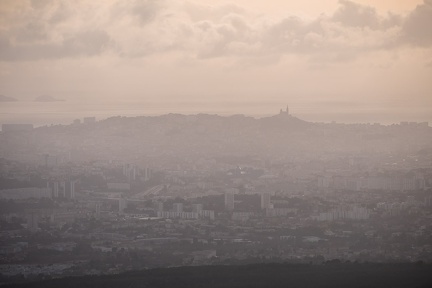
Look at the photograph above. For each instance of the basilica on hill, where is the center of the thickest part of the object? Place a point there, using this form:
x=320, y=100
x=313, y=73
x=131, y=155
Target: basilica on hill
x=286, y=112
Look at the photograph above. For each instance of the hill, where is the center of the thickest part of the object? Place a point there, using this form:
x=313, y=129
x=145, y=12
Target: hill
x=258, y=275
x=160, y=140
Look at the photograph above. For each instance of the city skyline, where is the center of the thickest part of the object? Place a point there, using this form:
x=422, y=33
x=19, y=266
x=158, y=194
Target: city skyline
x=200, y=143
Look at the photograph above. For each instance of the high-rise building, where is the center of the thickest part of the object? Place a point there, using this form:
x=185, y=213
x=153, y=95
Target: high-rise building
x=146, y=174
x=122, y=205
x=158, y=206
x=197, y=208
x=70, y=190
x=209, y=214
x=62, y=189
x=54, y=188
x=129, y=171
x=178, y=207
x=98, y=209
x=229, y=201
x=265, y=201
x=32, y=222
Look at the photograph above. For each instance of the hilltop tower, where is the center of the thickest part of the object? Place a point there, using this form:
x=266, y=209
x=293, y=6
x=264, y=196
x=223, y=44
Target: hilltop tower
x=286, y=112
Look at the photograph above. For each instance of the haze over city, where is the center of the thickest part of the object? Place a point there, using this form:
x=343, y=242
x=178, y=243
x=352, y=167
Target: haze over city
x=245, y=143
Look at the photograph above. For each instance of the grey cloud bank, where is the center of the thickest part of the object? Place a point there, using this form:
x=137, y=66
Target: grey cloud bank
x=53, y=29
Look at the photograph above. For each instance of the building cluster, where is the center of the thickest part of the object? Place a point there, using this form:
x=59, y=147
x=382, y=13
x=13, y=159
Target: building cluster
x=62, y=189
x=353, y=213
x=407, y=182
x=99, y=203
x=25, y=193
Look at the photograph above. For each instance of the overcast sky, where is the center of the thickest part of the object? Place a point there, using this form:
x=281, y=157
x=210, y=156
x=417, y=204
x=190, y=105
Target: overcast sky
x=375, y=53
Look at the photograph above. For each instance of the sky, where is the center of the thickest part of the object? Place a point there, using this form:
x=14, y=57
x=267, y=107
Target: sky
x=353, y=56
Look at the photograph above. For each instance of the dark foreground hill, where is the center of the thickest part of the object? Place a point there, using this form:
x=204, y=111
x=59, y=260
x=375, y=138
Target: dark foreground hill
x=259, y=275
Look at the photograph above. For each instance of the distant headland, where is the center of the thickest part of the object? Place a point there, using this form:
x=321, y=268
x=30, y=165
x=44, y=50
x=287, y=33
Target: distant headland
x=7, y=99
x=47, y=98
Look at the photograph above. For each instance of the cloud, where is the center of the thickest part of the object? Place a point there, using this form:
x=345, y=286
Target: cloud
x=416, y=29
x=86, y=43
x=198, y=12
x=143, y=11
x=352, y=14
x=232, y=35
x=32, y=30
x=48, y=29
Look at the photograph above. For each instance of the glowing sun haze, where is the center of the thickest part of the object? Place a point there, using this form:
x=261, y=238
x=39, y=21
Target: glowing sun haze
x=371, y=54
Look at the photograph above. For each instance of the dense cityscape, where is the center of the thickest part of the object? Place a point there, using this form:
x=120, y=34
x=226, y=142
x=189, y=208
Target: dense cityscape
x=108, y=196
x=149, y=144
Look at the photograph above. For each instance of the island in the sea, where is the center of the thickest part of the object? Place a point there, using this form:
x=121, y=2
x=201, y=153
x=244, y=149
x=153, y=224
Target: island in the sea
x=7, y=99
x=47, y=98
